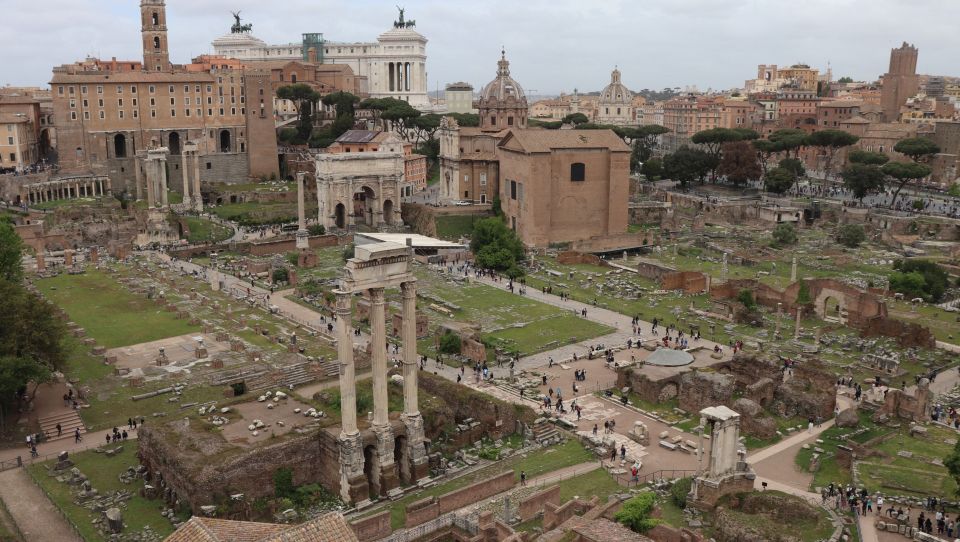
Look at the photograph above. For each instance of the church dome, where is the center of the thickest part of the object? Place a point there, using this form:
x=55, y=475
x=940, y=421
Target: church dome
x=503, y=88
x=615, y=93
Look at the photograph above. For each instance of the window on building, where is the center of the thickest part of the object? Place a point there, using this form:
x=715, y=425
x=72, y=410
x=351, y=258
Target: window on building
x=120, y=113
x=60, y=90
x=102, y=116
x=513, y=190
x=83, y=90
x=153, y=113
x=70, y=90
x=120, y=102
x=99, y=89
x=483, y=179
x=153, y=102
x=133, y=90
x=209, y=165
x=136, y=114
x=73, y=115
x=173, y=112
x=151, y=89
x=578, y=171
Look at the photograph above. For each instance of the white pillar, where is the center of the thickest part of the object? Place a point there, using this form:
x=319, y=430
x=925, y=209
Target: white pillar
x=348, y=391
x=409, y=336
x=796, y=333
x=378, y=353
x=163, y=182
x=197, y=194
x=186, y=178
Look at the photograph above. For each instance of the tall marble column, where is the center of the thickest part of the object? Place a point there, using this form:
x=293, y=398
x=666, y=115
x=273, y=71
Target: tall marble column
x=303, y=238
x=381, y=421
x=186, y=179
x=197, y=195
x=378, y=362
x=161, y=165
x=151, y=183
x=796, y=332
x=418, y=468
x=138, y=179
x=353, y=483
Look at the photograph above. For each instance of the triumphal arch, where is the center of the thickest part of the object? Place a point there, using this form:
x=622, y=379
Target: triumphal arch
x=373, y=465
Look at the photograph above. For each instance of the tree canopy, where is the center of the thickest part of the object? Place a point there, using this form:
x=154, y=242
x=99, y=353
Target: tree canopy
x=575, y=118
x=713, y=140
x=304, y=100
x=784, y=234
x=739, y=163
x=788, y=139
x=495, y=246
x=779, y=180
x=11, y=248
x=919, y=149
x=920, y=278
x=863, y=179
x=686, y=165
x=860, y=156
x=904, y=173
x=851, y=235
x=830, y=141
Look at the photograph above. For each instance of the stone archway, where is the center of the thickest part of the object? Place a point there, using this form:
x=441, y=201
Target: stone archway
x=388, y=212
x=365, y=206
x=401, y=458
x=340, y=216
x=371, y=468
x=173, y=143
x=832, y=309
x=830, y=305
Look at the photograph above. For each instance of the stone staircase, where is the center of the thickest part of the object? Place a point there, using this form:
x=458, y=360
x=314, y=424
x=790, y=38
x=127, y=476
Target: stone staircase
x=545, y=432
x=69, y=421
x=296, y=375
x=331, y=369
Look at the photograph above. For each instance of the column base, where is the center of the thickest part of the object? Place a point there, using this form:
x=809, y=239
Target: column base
x=303, y=239
x=389, y=481
x=353, y=482
x=419, y=462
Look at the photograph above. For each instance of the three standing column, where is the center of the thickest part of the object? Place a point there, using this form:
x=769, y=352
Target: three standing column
x=348, y=377
x=378, y=355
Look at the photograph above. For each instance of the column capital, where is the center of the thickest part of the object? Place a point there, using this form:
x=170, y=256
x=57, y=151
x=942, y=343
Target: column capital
x=409, y=288
x=376, y=296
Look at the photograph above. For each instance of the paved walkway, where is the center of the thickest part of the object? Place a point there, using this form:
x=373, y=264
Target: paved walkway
x=35, y=515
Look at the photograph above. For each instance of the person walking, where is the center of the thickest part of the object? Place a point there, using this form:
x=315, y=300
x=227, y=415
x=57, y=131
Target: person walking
x=59, y=430
x=76, y=435
x=523, y=478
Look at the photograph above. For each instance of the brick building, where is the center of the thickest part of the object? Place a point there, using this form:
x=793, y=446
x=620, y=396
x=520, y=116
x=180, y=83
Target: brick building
x=560, y=186
x=107, y=112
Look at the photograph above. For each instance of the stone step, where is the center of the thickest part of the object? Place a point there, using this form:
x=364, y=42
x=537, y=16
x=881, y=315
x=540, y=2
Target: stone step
x=69, y=421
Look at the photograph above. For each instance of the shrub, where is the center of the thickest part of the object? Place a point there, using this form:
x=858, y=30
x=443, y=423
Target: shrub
x=635, y=513
x=803, y=294
x=316, y=229
x=450, y=343
x=283, y=483
x=746, y=297
x=919, y=278
x=851, y=235
x=348, y=252
x=784, y=234
x=280, y=275
x=679, y=491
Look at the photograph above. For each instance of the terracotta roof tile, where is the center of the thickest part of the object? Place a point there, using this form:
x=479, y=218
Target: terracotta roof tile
x=330, y=527
x=534, y=140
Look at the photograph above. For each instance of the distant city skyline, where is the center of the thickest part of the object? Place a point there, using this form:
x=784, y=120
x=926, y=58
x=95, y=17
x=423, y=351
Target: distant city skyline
x=553, y=46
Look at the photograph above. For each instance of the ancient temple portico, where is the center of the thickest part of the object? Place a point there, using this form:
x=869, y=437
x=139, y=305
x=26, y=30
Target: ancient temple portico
x=374, y=467
x=727, y=470
x=83, y=186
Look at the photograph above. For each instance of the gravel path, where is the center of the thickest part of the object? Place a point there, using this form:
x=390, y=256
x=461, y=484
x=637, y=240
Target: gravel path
x=37, y=517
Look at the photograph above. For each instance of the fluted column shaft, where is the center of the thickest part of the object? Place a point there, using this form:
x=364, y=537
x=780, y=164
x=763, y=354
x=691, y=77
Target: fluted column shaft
x=378, y=347
x=409, y=336
x=348, y=377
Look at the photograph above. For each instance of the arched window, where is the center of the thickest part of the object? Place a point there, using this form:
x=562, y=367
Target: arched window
x=156, y=42
x=293, y=78
x=224, y=141
x=578, y=171
x=120, y=146
x=155, y=19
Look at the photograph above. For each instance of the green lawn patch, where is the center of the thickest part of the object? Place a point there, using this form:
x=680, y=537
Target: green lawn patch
x=203, y=230
x=594, y=483
x=453, y=227
x=109, y=312
x=103, y=473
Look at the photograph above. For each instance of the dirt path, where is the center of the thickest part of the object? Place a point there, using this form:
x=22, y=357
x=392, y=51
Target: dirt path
x=37, y=517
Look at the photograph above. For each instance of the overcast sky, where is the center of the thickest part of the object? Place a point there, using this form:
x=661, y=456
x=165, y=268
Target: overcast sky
x=553, y=45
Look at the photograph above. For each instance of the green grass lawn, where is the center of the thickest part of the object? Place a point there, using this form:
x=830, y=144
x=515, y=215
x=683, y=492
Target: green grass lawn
x=506, y=319
x=202, y=230
x=103, y=473
x=915, y=475
x=253, y=213
x=109, y=312
x=585, y=486
x=453, y=227
x=534, y=464
x=55, y=204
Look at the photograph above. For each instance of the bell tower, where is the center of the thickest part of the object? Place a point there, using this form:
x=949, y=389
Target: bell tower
x=153, y=28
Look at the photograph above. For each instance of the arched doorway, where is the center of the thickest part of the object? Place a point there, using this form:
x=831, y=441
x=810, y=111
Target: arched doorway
x=340, y=214
x=44, y=142
x=371, y=468
x=832, y=309
x=401, y=459
x=224, y=140
x=173, y=143
x=364, y=206
x=120, y=146
x=388, y=212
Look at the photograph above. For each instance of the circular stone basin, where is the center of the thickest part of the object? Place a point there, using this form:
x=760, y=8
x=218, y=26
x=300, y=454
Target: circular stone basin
x=669, y=358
